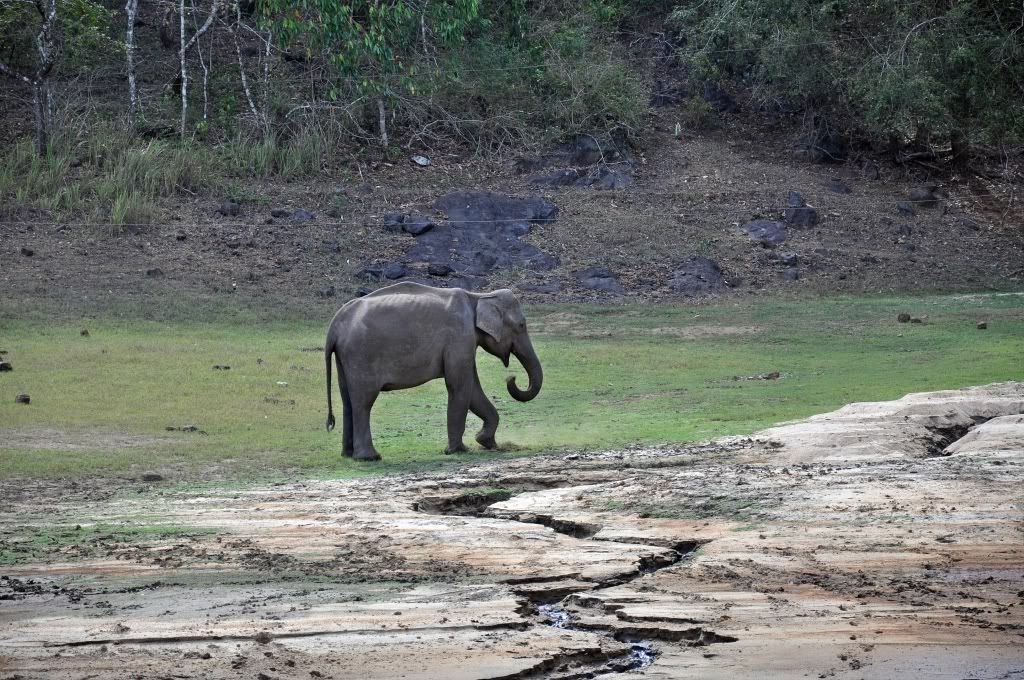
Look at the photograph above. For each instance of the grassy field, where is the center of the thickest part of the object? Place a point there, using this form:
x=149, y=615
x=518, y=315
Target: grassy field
x=102, y=403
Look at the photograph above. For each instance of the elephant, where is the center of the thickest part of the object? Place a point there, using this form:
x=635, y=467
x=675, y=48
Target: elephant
x=406, y=334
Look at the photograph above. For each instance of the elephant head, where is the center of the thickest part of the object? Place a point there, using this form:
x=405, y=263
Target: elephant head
x=502, y=332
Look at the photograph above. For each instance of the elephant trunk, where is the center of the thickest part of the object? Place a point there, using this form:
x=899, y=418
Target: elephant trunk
x=528, y=358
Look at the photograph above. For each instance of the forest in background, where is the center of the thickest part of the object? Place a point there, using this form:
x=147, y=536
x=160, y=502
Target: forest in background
x=109, y=108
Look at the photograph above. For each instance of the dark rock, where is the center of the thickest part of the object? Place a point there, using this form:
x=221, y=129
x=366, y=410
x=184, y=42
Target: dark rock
x=924, y=197
x=180, y=236
x=586, y=150
x=22, y=399
x=719, y=99
x=766, y=232
x=904, y=230
x=393, y=221
x=559, y=178
x=789, y=259
x=838, y=186
x=395, y=270
x=969, y=223
x=698, y=276
x=607, y=178
x=982, y=325
x=84, y=332
x=221, y=367
x=791, y=274
x=326, y=292
x=152, y=477
x=330, y=246
x=599, y=278
x=301, y=216
x=280, y=212
x=5, y=366
x=548, y=287
x=482, y=233
x=903, y=317
x=27, y=252
x=915, y=319
x=229, y=208
x=905, y=208
x=439, y=269
x=373, y=271
x=798, y=213
x=417, y=225
x=155, y=273
x=870, y=171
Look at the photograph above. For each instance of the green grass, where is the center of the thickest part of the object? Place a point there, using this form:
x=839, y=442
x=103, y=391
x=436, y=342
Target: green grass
x=34, y=544
x=613, y=376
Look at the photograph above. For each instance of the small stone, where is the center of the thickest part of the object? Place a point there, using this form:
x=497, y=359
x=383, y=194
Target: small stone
x=221, y=367
x=421, y=161
x=394, y=271
x=798, y=213
x=263, y=637
x=870, y=171
x=155, y=273
x=789, y=259
x=791, y=274
x=393, y=221
x=439, y=270
x=301, y=216
x=84, y=332
x=838, y=186
x=903, y=317
x=180, y=236
x=152, y=477
x=22, y=399
x=916, y=320
x=229, y=208
x=905, y=208
x=982, y=325
x=5, y=366
x=326, y=292
x=280, y=212
x=924, y=197
x=27, y=252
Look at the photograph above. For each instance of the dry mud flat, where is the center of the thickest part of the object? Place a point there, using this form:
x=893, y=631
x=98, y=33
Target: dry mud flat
x=881, y=540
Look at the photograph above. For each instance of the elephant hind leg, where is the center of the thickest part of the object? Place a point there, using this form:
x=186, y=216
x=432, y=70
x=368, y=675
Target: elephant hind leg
x=483, y=409
x=346, y=404
x=362, y=401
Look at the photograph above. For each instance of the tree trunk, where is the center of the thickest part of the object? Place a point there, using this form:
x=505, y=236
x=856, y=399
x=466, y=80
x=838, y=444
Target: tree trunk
x=41, y=95
x=961, y=148
x=382, y=122
x=131, y=10
x=182, y=67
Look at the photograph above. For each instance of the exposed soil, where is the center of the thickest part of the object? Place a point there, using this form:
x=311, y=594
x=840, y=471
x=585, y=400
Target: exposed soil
x=688, y=198
x=880, y=540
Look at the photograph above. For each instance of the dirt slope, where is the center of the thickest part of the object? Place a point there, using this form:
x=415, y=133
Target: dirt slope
x=894, y=550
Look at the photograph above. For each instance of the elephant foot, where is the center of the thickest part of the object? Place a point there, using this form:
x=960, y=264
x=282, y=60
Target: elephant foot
x=486, y=440
x=461, y=448
x=348, y=453
x=370, y=454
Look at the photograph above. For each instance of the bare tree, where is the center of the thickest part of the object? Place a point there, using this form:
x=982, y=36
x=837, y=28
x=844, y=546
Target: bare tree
x=131, y=10
x=184, y=47
x=46, y=51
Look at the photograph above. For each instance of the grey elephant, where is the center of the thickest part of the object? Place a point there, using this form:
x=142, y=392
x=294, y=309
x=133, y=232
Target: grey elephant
x=407, y=334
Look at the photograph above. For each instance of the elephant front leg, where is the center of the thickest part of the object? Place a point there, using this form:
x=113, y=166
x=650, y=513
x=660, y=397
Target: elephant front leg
x=458, y=407
x=483, y=409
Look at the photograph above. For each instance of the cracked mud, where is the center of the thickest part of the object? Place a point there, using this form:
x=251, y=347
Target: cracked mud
x=879, y=540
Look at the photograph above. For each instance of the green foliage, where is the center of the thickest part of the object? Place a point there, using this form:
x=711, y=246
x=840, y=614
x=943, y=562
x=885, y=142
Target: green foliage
x=885, y=67
x=371, y=43
x=27, y=544
x=630, y=373
x=84, y=27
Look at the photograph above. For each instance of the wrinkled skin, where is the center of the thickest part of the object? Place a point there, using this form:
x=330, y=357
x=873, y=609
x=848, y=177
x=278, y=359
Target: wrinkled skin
x=407, y=334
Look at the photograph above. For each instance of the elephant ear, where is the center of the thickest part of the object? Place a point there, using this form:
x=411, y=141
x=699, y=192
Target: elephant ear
x=489, y=317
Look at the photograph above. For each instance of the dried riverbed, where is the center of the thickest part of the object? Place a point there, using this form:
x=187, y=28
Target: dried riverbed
x=881, y=540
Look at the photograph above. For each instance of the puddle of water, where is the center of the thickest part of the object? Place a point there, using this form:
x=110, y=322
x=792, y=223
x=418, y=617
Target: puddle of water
x=554, y=615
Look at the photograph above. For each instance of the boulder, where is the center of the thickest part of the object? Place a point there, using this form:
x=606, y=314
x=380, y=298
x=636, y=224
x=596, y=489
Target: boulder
x=27, y=252
x=439, y=269
x=838, y=186
x=483, y=233
x=599, y=278
x=905, y=208
x=393, y=221
x=791, y=274
x=395, y=270
x=924, y=197
x=768, y=233
x=798, y=213
x=698, y=276
x=417, y=225
x=229, y=208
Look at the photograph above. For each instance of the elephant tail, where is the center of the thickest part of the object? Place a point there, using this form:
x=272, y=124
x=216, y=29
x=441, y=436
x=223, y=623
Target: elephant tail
x=328, y=351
